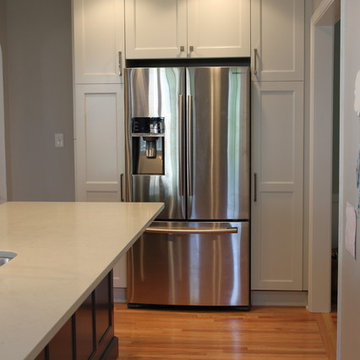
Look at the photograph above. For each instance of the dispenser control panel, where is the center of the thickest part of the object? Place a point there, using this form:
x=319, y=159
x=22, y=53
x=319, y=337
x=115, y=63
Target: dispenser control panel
x=148, y=125
x=148, y=145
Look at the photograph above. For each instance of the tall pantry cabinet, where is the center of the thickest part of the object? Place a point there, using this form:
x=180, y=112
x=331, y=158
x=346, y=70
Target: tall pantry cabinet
x=98, y=58
x=277, y=41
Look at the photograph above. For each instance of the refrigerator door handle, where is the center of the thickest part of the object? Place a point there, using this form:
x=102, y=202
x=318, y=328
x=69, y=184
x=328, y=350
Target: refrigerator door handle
x=181, y=145
x=122, y=187
x=255, y=187
x=168, y=230
x=189, y=153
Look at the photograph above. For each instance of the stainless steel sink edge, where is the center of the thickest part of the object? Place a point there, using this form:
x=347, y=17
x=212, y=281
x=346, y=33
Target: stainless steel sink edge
x=6, y=256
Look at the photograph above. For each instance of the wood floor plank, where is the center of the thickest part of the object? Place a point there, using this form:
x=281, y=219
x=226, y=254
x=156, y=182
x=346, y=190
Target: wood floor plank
x=268, y=333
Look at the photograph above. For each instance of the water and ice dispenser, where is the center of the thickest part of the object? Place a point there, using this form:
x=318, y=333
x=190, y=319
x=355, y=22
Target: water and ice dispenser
x=147, y=135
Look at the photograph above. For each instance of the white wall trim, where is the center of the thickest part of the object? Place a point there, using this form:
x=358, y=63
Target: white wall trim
x=279, y=298
x=327, y=13
x=120, y=295
x=3, y=184
x=320, y=155
x=341, y=180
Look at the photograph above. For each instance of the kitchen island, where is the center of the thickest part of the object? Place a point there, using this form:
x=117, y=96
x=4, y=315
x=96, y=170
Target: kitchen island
x=64, y=252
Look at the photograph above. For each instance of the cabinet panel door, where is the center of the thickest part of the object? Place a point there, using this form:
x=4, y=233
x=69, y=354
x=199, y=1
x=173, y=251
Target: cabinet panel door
x=155, y=28
x=103, y=309
x=277, y=40
x=99, y=142
x=277, y=199
x=41, y=356
x=98, y=39
x=219, y=28
x=84, y=330
x=61, y=345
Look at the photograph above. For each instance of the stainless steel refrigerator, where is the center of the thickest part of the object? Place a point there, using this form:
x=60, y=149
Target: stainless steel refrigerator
x=188, y=145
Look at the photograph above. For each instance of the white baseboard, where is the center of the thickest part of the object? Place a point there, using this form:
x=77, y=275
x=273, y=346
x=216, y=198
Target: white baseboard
x=279, y=298
x=120, y=295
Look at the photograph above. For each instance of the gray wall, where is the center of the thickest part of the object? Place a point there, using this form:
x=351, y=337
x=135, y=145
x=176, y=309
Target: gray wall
x=349, y=301
x=38, y=89
x=2, y=23
x=3, y=192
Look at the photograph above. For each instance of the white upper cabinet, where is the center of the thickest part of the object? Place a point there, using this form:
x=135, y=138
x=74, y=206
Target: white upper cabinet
x=219, y=28
x=187, y=28
x=98, y=41
x=155, y=28
x=277, y=40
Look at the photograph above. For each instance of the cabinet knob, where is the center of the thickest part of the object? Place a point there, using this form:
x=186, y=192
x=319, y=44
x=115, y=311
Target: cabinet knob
x=182, y=48
x=191, y=48
x=121, y=187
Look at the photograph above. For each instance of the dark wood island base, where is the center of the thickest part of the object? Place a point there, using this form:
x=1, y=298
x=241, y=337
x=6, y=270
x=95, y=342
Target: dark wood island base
x=89, y=333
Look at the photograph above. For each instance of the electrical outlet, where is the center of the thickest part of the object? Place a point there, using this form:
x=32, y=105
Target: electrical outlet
x=59, y=140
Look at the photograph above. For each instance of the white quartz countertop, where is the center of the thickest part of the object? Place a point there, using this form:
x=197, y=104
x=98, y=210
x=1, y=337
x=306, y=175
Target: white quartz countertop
x=64, y=251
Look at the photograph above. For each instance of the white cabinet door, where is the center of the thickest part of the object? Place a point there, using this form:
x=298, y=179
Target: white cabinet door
x=99, y=142
x=98, y=41
x=277, y=199
x=219, y=28
x=277, y=40
x=155, y=28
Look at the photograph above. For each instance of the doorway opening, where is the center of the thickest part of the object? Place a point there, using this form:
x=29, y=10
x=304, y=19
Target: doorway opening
x=324, y=155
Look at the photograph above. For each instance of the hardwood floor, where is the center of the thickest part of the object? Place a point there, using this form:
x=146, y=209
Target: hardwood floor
x=269, y=333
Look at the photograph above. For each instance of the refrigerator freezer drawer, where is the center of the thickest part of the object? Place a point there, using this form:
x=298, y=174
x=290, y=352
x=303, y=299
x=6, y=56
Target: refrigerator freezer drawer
x=190, y=265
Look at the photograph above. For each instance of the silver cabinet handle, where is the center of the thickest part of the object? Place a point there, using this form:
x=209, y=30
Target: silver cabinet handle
x=181, y=145
x=120, y=63
x=191, y=48
x=166, y=230
x=255, y=187
x=182, y=48
x=189, y=146
x=255, y=61
x=122, y=187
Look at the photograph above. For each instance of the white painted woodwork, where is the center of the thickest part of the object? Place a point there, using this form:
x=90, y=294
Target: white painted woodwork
x=320, y=155
x=159, y=28
x=277, y=33
x=327, y=13
x=3, y=187
x=99, y=142
x=219, y=28
x=279, y=298
x=155, y=28
x=98, y=39
x=277, y=213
